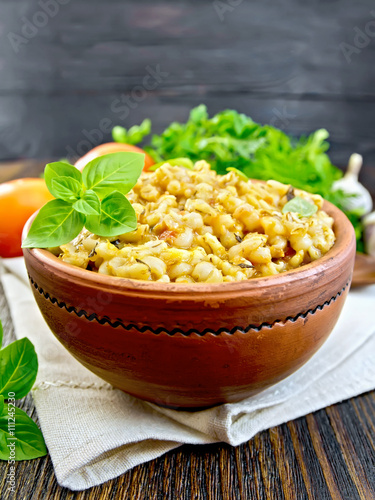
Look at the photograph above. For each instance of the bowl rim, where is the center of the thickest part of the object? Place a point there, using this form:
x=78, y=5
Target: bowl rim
x=345, y=238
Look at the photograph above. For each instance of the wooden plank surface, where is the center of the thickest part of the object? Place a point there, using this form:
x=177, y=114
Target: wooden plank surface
x=288, y=47
x=79, y=125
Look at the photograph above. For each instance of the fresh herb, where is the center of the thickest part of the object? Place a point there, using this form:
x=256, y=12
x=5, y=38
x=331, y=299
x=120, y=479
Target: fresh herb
x=290, y=193
x=19, y=368
x=94, y=199
x=300, y=206
x=93, y=251
x=179, y=162
x=134, y=135
x=18, y=432
x=240, y=174
x=144, y=263
x=231, y=140
x=29, y=444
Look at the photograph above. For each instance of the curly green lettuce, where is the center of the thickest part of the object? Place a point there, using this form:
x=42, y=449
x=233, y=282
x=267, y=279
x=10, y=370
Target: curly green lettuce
x=233, y=140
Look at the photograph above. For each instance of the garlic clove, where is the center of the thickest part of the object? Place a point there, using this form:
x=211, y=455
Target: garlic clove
x=369, y=233
x=358, y=196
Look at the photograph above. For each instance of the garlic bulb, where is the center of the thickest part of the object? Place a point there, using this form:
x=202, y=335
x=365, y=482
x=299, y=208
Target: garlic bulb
x=358, y=196
x=369, y=233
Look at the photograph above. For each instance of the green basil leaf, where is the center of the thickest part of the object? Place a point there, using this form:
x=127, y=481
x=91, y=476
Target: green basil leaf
x=113, y=172
x=175, y=162
x=117, y=217
x=25, y=438
x=66, y=188
x=56, y=223
x=1, y=334
x=18, y=368
x=60, y=169
x=240, y=174
x=1, y=405
x=89, y=204
x=301, y=206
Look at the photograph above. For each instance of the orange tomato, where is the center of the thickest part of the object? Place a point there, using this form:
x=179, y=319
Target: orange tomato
x=112, y=147
x=19, y=199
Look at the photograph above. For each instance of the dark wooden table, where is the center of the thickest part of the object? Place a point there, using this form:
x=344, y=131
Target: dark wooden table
x=327, y=454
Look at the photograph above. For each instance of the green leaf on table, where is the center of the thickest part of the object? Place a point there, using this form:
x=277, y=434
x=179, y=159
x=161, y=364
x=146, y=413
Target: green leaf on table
x=113, y=172
x=66, y=188
x=60, y=169
x=26, y=439
x=56, y=223
x=89, y=204
x=300, y=206
x=117, y=217
x=18, y=368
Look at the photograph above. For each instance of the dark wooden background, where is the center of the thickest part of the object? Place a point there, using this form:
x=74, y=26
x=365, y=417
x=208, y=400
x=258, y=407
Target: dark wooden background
x=280, y=62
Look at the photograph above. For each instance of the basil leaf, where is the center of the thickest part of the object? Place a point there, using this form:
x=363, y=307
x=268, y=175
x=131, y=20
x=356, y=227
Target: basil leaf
x=26, y=437
x=60, y=169
x=113, y=172
x=1, y=334
x=56, y=223
x=66, y=188
x=240, y=174
x=301, y=206
x=117, y=217
x=18, y=368
x=89, y=204
x=1, y=405
x=179, y=162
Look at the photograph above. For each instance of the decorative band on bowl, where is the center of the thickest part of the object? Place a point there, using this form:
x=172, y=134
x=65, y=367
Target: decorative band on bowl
x=142, y=329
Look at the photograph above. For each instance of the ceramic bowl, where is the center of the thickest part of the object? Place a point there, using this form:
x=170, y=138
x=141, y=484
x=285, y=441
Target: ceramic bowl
x=194, y=345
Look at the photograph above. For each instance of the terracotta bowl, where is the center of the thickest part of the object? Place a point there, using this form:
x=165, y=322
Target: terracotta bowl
x=194, y=345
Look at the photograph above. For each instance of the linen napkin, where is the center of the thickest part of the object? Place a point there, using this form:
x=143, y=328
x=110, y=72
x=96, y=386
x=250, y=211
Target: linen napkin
x=95, y=433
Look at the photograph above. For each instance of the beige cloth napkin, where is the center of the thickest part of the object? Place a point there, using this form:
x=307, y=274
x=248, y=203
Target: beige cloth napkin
x=95, y=433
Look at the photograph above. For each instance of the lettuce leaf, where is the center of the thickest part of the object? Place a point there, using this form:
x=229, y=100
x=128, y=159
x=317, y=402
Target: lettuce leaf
x=233, y=140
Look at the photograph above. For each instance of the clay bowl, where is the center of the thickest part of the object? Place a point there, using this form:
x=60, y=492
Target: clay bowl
x=194, y=345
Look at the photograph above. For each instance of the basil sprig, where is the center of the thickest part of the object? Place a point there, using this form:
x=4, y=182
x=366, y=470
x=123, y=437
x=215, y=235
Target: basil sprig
x=20, y=437
x=299, y=205
x=94, y=198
